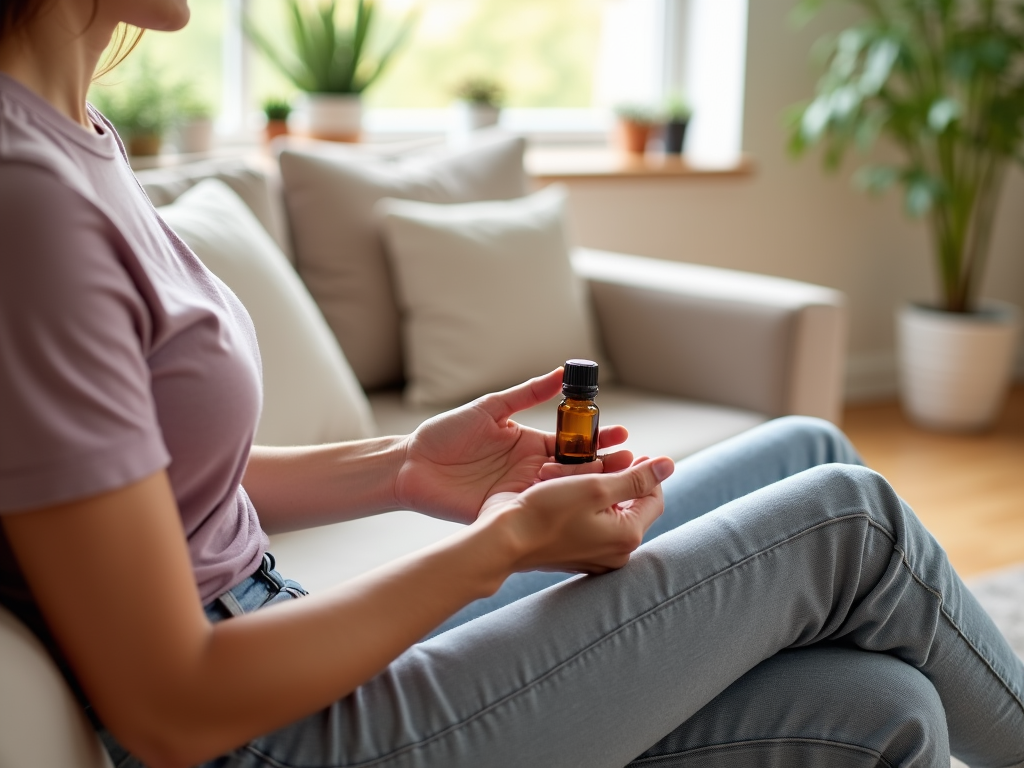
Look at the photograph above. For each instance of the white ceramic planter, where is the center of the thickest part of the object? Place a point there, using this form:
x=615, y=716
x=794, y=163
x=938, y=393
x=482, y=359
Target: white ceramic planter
x=471, y=116
x=332, y=116
x=954, y=368
x=195, y=135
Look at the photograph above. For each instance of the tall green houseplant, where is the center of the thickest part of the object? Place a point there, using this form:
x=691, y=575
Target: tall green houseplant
x=328, y=55
x=944, y=81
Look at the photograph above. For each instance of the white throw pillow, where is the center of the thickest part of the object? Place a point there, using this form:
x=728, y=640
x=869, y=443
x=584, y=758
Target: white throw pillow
x=330, y=191
x=487, y=293
x=310, y=394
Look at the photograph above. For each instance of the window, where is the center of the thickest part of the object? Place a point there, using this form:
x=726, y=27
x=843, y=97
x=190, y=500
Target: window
x=563, y=64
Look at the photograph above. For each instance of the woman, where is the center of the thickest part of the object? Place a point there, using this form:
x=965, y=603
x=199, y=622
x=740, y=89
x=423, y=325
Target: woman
x=807, y=619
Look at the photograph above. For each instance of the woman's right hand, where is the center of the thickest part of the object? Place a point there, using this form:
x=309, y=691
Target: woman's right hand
x=586, y=523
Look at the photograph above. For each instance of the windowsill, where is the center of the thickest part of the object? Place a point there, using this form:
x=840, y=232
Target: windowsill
x=549, y=164
x=545, y=163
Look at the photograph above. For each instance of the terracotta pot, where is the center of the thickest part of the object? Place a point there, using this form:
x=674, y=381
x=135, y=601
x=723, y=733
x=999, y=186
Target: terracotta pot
x=955, y=367
x=274, y=129
x=332, y=116
x=144, y=144
x=633, y=136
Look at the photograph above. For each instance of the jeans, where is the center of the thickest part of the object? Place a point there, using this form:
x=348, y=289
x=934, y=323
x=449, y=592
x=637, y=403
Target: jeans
x=792, y=612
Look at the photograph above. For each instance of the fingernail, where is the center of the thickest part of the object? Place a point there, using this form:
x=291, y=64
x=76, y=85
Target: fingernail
x=663, y=468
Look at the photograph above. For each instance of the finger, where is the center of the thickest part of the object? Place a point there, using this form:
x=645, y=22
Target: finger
x=501, y=405
x=610, y=436
x=649, y=508
x=639, y=480
x=617, y=461
x=609, y=462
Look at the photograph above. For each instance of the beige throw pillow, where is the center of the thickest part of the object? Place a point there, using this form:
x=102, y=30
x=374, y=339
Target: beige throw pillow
x=487, y=292
x=310, y=394
x=330, y=194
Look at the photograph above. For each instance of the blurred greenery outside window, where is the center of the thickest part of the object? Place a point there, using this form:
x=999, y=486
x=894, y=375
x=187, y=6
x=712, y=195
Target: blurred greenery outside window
x=543, y=52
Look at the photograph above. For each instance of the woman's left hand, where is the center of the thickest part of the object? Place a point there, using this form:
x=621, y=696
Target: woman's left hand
x=457, y=460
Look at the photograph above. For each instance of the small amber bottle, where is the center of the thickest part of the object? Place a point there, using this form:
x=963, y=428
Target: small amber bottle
x=576, y=431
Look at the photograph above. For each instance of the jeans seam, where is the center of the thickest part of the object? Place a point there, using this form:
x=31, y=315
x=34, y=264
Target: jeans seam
x=605, y=637
x=949, y=618
x=655, y=759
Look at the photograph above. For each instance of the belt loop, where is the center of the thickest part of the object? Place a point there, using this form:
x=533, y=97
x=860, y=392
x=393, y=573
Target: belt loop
x=230, y=604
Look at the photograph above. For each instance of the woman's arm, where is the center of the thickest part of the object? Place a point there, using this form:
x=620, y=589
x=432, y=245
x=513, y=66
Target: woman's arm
x=446, y=468
x=302, y=487
x=112, y=577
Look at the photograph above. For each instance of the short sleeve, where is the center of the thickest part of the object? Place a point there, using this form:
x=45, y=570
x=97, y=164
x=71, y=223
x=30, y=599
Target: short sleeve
x=77, y=416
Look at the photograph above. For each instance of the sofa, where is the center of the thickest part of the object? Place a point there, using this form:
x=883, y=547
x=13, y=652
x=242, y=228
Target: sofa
x=690, y=355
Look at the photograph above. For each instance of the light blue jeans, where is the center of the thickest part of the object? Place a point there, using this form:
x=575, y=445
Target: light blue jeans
x=792, y=612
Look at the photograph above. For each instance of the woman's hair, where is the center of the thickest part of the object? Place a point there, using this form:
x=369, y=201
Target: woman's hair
x=16, y=14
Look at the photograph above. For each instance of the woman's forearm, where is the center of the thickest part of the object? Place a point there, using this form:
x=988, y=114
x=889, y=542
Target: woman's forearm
x=301, y=487
x=335, y=641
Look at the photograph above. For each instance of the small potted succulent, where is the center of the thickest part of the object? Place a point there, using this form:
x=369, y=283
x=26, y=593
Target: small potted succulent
x=478, y=103
x=277, y=111
x=330, y=60
x=677, y=120
x=635, y=126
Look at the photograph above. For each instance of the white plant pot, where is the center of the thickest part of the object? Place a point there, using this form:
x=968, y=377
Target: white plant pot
x=470, y=116
x=195, y=135
x=332, y=116
x=955, y=368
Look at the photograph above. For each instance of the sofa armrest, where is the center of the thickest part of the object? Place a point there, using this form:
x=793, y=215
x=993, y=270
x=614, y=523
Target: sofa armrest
x=755, y=342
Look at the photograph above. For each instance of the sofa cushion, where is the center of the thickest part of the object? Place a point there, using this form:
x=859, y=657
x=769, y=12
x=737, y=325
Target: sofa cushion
x=310, y=393
x=259, y=186
x=330, y=194
x=487, y=293
x=41, y=723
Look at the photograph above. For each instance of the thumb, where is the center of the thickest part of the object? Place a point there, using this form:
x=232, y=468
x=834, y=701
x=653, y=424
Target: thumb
x=501, y=405
x=639, y=480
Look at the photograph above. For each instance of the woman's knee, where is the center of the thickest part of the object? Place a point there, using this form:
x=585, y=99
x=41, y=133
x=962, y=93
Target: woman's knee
x=822, y=439
x=821, y=705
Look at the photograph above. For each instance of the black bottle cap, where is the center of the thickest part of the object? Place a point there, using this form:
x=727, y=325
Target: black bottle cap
x=580, y=378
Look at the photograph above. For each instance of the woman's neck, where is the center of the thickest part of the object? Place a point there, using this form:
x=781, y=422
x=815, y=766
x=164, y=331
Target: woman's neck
x=55, y=56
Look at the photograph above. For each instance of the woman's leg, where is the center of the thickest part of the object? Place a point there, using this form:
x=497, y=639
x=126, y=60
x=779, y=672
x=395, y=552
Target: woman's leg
x=594, y=671
x=710, y=478
x=826, y=705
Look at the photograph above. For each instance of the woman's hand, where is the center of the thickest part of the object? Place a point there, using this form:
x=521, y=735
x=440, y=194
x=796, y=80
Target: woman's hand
x=585, y=523
x=457, y=460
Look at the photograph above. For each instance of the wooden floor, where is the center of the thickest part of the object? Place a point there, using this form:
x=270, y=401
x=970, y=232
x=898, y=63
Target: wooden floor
x=968, y=489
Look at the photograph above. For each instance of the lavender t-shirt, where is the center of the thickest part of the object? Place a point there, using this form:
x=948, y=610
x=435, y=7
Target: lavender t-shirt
x=120, y=353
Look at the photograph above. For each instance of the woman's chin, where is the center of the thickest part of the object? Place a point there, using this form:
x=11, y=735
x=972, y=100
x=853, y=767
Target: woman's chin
x=158, y=15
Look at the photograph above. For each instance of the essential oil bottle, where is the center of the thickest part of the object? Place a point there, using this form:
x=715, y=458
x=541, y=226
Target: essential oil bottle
x=576, y=430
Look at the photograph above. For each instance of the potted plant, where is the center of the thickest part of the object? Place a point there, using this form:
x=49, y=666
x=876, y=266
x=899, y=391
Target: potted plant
x=141, y=107
x=194, y=120
x=944, y=82
x=478, y=103
x=635, y=126
x=276, y=111
x=677, y=119
x=330, y=63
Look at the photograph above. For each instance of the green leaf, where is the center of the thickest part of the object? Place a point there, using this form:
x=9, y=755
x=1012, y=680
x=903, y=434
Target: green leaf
x=943, y=113
x=878, y=65
x=876, y=179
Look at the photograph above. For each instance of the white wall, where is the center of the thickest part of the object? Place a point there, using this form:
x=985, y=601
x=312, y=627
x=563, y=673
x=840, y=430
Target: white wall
x=791, y=220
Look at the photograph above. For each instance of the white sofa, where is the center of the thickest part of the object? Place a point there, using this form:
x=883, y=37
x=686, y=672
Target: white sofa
x=700, y=354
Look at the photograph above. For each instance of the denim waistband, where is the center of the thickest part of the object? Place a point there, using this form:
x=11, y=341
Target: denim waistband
x=262, y=588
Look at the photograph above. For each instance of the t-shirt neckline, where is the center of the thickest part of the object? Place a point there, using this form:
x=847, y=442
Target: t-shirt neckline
x=99, y=141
